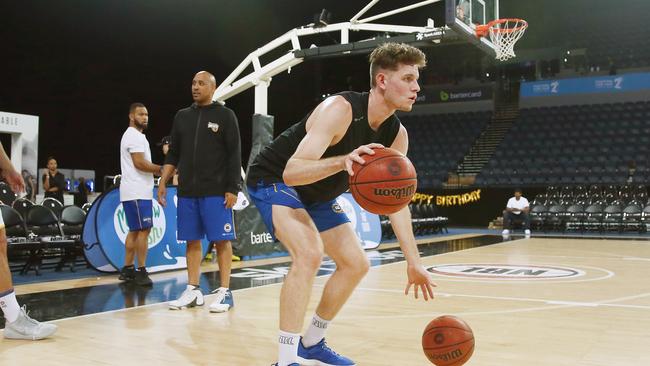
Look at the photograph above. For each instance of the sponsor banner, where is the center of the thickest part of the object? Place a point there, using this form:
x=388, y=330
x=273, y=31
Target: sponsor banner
x=430, y=95
x=253, y=238
x=105, y=232
x=505, y=271
x=589, y=85
x=24, y=147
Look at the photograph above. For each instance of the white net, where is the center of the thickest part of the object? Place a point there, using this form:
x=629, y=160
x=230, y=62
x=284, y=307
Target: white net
x=505, y=34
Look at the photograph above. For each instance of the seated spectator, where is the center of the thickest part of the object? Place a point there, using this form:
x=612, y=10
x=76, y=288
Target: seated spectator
x=516, y=210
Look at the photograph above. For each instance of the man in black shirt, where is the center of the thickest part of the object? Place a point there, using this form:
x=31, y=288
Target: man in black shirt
x=205, y=147
x=53, y=181
x=295, y=180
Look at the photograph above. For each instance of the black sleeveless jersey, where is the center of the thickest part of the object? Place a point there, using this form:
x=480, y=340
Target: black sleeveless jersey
x=269, y=164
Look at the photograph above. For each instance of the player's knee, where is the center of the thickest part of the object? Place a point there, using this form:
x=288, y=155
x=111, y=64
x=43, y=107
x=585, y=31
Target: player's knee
x=365, y=264
x=356, y=266
x=362, y=267
x=308, y=260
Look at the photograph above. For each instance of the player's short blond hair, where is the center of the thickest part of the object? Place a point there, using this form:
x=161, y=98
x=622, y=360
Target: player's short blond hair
x=389, y=56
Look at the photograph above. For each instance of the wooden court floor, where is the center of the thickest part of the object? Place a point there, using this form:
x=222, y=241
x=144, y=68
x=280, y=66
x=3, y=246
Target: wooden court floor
x=592, y=309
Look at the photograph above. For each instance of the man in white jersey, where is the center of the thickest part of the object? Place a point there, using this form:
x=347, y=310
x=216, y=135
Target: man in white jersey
x=516, y=210
x=136, y=193
x=17, y=324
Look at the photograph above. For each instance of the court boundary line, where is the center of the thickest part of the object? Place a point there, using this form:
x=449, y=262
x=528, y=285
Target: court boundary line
x=401, y=260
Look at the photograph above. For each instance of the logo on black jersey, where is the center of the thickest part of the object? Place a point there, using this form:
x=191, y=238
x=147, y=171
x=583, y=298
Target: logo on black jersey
x=213, y=126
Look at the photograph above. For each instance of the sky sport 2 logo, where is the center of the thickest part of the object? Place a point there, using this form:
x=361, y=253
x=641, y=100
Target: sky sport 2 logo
x=397, y=193
x=157, y=231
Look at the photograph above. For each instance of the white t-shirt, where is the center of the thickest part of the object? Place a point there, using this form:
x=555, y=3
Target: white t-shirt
x=135, y=184
x=518, y=204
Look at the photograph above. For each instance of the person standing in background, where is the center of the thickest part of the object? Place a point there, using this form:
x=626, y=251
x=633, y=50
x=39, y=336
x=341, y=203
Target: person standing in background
x=206, y=148
x=136, y=194
x=81, y=198
x=53, y=181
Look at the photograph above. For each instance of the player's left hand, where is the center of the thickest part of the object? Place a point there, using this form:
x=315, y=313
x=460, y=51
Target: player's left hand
x=230, y=200
x=15, y=181
x=420, y=279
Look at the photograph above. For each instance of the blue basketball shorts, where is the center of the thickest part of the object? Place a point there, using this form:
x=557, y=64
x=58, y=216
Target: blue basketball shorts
x=326, y=215
x=199, y=217
x=139, y=214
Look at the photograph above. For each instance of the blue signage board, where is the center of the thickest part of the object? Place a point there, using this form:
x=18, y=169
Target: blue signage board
x=105, y=231
x=589, y=85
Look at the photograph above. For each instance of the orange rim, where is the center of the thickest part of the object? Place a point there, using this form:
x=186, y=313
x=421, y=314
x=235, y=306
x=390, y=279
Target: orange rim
x=483, y=29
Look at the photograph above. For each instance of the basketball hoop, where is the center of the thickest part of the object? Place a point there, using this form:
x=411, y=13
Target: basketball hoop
x=504, y=33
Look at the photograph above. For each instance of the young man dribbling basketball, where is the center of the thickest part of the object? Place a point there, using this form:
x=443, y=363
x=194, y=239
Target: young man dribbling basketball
x=295, y=180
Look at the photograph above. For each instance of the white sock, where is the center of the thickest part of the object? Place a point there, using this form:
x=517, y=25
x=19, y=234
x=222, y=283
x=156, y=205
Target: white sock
x=10, y=306
x=288, y=348
x=316, y=331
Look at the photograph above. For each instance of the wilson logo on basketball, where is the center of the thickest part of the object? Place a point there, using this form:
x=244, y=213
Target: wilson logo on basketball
x=504, y=271
x=452, y=355
x=396, y=193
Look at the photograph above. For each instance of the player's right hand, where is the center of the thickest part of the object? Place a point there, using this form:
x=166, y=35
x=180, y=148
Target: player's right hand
x=355, y=156
x=162, y=195
x=420, y=279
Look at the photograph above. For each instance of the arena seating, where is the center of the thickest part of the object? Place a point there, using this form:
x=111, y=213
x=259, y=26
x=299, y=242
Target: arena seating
x=425, y=219
x=628, y=47
x=437, y=143
x=35, y=232
x=597, y=208
x=583, y=144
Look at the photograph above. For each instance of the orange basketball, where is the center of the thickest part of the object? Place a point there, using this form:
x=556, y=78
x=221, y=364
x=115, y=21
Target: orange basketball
x=385, y=183
x=448, y=341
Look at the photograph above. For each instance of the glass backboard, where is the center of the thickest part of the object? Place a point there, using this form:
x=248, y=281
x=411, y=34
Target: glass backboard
x=462, y=16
